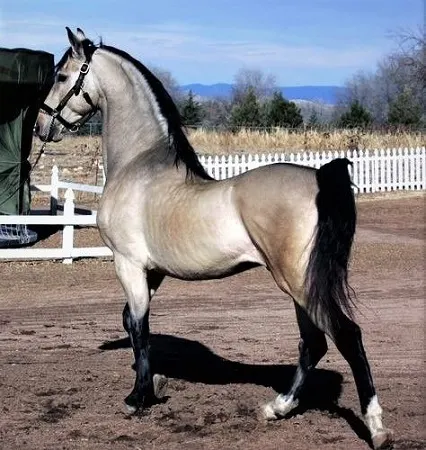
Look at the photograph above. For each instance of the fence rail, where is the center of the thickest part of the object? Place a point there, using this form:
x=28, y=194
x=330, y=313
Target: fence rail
x=372, y=171
x=68, y=220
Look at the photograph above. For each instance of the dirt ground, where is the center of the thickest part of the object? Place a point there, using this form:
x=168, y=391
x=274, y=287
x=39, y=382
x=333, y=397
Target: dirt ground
x=226, y=346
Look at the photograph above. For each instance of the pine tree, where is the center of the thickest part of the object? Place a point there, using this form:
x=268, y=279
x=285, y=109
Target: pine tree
x=282, y=113
x=313, y=120
x=191, y=111
x=246, y=113
x=404, y=110
x=356, y=117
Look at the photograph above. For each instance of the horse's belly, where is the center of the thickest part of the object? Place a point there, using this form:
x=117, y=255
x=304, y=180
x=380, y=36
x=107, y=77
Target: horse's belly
x=203, y=257
x=194, y=269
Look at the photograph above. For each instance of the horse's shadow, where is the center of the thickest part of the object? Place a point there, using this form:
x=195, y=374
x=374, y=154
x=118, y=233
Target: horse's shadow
x=184, y=359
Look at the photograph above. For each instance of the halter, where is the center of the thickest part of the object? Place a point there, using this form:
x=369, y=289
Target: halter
x=75, y=90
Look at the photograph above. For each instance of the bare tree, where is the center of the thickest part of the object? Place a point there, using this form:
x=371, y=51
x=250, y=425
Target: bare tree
x=399, y=73
x=315, y=113
x=412, y=52
x=217, y=113
x=169, y=82
x=254, y=80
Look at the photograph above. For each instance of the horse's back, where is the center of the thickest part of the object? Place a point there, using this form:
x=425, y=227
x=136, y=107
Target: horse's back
x=280, y=176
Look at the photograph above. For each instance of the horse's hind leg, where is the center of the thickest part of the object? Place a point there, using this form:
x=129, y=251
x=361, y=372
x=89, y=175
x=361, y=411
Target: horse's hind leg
x=312, y=347
x=348, y=340
x=135, y=282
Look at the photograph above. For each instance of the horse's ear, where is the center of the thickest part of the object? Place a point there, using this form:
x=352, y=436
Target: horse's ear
x=75, y=41
x=80, y=34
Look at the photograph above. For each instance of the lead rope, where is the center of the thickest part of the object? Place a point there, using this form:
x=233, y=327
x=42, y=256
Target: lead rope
x=43, y=147
x=40, y=154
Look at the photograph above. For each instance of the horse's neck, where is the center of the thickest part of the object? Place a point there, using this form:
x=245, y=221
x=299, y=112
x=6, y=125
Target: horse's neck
x=132, y=122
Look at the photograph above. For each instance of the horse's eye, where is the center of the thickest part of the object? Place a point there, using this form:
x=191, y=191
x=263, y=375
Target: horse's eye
x=62, y=77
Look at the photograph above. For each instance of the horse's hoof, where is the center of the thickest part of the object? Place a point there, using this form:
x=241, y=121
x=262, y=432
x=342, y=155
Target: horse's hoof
x=267, y=412
x=382, y=439
x=132, y=404
x=279, y=408
x=160, y=384
x=130, y=409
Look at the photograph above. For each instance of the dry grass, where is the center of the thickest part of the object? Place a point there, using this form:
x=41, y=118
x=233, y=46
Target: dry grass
x=79, y=156
x=282, y=140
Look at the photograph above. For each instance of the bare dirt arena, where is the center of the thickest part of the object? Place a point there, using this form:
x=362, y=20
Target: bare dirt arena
x=226, y=346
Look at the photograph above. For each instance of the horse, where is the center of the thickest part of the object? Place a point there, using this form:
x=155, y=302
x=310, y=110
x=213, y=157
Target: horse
x=161, y=214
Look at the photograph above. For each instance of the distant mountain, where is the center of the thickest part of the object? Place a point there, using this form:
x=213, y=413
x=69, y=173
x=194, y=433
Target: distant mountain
x=324, y=94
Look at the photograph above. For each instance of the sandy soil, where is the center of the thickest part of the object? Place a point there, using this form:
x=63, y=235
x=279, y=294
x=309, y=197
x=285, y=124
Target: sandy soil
x=227, y=346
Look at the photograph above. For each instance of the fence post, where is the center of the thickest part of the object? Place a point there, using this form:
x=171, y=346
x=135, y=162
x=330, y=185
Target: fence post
x=375, y=171
x=103, y=174
x=54, y=181
x=68, y=233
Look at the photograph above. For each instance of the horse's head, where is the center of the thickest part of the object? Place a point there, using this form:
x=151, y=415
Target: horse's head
x=73, y=97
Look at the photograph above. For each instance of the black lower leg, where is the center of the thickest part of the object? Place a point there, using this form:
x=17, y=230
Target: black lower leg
x=312, y=347
x=126, y=318
x=139, y=334
x=154, y=280
x=348, y=340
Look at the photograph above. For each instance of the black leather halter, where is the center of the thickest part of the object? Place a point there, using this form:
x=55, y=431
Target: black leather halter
x=75, y=90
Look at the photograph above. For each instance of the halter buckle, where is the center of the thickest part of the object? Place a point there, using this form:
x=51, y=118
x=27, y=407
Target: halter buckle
x=84, y=68
x=74, y=128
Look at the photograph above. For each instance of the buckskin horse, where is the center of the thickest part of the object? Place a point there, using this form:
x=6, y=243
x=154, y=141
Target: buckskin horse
x=161, y=214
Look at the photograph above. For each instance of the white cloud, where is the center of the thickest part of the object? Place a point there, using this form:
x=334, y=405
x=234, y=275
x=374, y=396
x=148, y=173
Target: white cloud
x=42, y=34
x=166, y=45
x=185, y=45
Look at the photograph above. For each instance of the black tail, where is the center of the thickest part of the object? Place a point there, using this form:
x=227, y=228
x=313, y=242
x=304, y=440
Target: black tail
x=328, y=291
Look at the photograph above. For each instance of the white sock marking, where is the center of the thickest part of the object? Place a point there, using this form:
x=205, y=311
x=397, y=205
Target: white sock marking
x=279, y=407
x=373, y=416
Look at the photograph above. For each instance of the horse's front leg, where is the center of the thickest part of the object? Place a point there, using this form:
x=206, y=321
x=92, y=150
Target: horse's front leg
x=136, y=284
x=154, y=279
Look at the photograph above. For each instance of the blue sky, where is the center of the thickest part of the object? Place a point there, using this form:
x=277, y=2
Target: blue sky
x=304, y=42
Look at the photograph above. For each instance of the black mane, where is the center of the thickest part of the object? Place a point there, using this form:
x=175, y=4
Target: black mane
x=177, y=139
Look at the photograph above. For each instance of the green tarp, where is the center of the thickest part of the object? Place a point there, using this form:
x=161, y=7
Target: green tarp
x=25, y=79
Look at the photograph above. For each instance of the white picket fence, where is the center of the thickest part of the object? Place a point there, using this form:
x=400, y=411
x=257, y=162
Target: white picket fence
x=69, y=219
x=372, y=171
